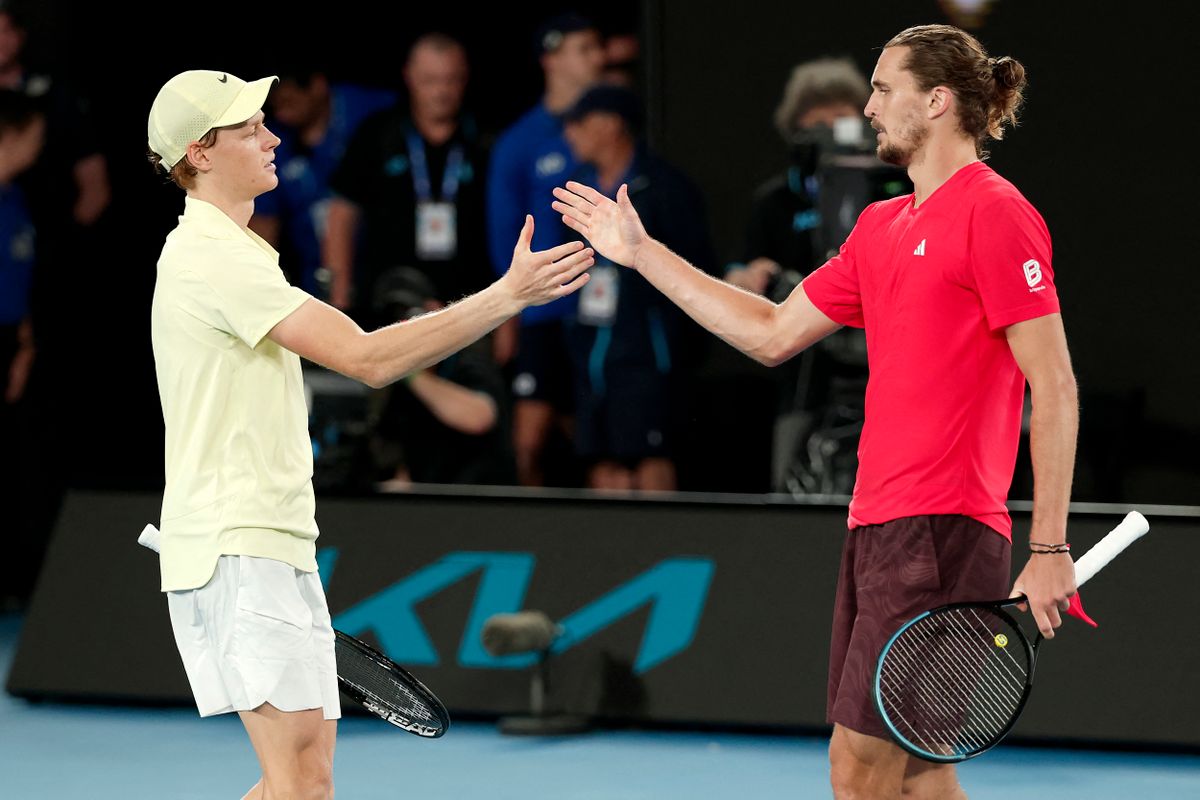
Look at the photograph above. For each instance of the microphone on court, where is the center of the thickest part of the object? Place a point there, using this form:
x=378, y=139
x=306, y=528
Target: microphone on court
x=522, y=632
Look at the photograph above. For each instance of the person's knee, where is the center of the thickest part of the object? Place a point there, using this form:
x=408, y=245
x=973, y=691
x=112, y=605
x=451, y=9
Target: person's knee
x=862, y=766
x=845, y=771
x=610, y=476
x=656, y=474
x=838, y=777
x=925, y=781
x=317, y=769
x=310, y=779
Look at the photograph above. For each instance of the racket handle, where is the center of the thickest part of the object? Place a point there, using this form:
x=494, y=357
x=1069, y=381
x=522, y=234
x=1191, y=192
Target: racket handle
x=1132, y=528
x=150, y=537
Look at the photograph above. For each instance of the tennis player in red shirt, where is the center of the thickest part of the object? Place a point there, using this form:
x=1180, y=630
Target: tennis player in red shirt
x=955, y=288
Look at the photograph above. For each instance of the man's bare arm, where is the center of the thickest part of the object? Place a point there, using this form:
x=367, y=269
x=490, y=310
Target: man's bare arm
x=326, y=336
x=337, y=249
x=465, y=410
x=95, y=190
x=1040, y=348
x=766, y=332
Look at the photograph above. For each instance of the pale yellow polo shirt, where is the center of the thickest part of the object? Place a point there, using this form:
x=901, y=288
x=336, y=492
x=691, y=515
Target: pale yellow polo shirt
x=238, y=455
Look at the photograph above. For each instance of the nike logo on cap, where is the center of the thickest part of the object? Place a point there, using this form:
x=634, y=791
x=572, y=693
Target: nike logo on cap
x=223, y=79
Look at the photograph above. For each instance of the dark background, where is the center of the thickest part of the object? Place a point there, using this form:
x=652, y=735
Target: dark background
x=1104, y=151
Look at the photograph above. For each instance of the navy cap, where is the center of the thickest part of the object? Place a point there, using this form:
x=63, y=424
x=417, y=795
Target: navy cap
x=608, y=98
x=550, y=34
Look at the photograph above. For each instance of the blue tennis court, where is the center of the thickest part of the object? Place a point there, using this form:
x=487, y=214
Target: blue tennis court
x=102, y=752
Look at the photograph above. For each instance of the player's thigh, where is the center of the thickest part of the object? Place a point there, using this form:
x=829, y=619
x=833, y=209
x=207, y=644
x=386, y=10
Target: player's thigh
x=284, y=740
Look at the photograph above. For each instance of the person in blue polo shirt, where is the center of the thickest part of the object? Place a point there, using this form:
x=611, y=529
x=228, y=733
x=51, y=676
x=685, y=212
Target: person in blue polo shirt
x=528, y=161
x=315, y=122
x=627, y=341
x=22, y=133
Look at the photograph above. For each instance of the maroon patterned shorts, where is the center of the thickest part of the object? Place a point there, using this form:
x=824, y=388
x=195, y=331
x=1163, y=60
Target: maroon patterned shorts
x=890, y=573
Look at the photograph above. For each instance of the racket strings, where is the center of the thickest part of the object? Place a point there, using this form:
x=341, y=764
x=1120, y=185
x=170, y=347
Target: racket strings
x=930, y=689
x=950, y=684
x=379, y=682
x=952, y=663
x=937, y=667
x=937, y=695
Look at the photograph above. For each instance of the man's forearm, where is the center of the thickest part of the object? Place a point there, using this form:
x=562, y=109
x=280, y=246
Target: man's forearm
x=465, y=410
x=390, y=353
x=338, y=250
x=1052, y=436
x=744, y=320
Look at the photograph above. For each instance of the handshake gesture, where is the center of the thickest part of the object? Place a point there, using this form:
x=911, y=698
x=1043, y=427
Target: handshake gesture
x=613, y=228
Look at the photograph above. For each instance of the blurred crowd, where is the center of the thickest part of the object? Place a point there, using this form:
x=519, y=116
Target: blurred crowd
x=394, y=206
x=391, y=204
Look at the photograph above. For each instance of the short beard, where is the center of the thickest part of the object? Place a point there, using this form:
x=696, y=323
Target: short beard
x=900, y=155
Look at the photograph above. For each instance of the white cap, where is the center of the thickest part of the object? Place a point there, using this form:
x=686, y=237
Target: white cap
x=194, y=102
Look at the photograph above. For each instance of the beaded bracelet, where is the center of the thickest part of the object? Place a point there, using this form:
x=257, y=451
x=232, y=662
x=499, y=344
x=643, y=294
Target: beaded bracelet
x=1043, y=548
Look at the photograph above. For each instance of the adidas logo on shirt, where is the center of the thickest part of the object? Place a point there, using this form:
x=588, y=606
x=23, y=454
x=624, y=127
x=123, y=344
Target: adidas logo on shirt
x=920, y=251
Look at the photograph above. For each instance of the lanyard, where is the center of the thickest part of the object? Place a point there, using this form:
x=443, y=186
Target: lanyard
x=420, y=170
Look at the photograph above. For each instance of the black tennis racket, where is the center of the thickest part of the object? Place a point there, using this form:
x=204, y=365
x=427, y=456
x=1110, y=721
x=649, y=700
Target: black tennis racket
x=951, y=683
x=386, y=689
x=371, y=679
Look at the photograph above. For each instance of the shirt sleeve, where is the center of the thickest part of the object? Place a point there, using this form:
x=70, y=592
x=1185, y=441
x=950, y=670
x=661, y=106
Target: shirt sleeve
x=506, y=191
x=1010, y=262
x=834, y=288
x=245, y=296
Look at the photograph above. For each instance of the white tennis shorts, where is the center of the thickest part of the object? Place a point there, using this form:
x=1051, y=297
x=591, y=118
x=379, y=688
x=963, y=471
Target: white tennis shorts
x=257, y=632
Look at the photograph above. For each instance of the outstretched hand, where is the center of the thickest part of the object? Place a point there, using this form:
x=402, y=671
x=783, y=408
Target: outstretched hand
x=535, y=278
x=613, y=228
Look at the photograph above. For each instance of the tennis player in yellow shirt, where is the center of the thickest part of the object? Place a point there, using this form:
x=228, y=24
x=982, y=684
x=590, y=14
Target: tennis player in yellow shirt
x=238, y=529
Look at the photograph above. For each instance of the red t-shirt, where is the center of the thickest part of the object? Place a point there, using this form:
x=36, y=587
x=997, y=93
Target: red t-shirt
x=935, y=287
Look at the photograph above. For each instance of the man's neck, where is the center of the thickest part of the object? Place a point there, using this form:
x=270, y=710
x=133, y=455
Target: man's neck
x=436, y=131
x=238, y=210
x=936, y=163
x=613, y=163
x=560, y=94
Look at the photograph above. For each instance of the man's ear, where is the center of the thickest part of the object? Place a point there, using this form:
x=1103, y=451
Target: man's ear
x=941, y=100
x=198, y=157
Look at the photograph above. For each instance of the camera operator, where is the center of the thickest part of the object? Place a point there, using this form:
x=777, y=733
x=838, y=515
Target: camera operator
x=797, y=221
x=785, y=215
x=445, y=424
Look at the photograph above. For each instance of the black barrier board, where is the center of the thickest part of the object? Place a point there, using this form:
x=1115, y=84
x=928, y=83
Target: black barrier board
x=681, y=612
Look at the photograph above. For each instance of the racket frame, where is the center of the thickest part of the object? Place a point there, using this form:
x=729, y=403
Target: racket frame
x=1128, y=531
x=997, y=607
x=380, y=707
